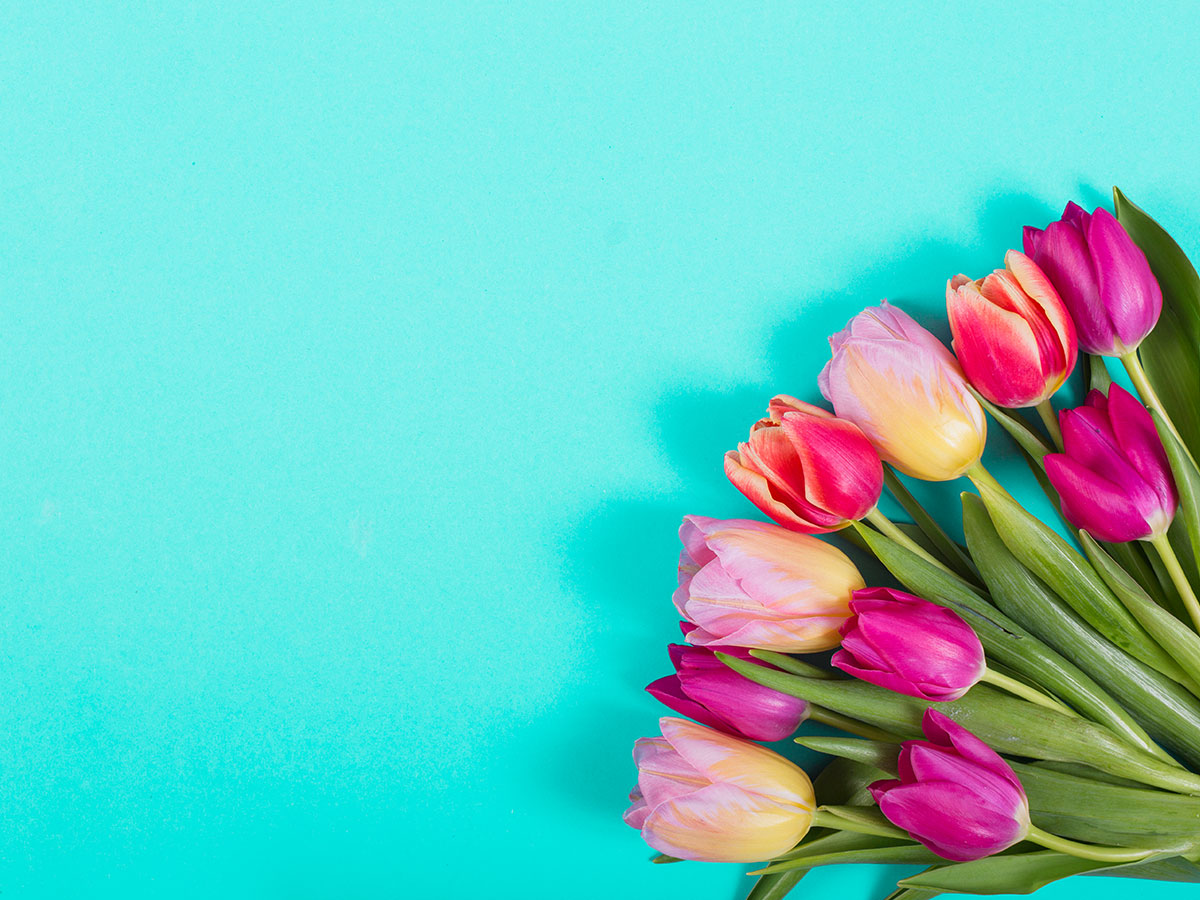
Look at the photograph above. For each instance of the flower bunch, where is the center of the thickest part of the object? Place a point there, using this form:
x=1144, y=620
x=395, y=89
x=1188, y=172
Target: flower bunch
x=1020, y=700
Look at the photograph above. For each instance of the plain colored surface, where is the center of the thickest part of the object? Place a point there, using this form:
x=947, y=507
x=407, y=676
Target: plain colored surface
x=359, y=361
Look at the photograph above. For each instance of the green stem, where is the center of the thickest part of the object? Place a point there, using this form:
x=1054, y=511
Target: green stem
x=848, y=725
x=889, y=529
x=1086, y=851
x=828, y=817
x=1050, y=420
x=1138, y=376
x=1024, y=691
x=1175, y=570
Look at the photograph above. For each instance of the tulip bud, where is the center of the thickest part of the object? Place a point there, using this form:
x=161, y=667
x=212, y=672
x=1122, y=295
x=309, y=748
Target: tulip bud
x=1113, y=477
x=753, y=584
x=903, y=388
x=807, y=469
x=705, y=689
x=955, y=794
x=1101, y=275
x=909, y=645
x=1012, y=333
x=708, y=796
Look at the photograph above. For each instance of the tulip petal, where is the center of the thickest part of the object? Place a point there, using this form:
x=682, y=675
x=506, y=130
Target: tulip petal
x=998, y=350
x=1127, y=287
x=771, y=453
x=668, y=691
x=842, y=469
x=1063, y=256
x=758, y=491
x=1094, y=504
x=1138, y=439
x=948, y=820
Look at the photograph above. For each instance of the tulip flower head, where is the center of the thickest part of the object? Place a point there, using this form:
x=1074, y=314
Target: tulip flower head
x=906, y=392
x=704, y=795
x=909, y=645
x=705, y=689
x=1102, y=276
x=1113, y=477
x=955, y=794
x=807, y=469
x=753, y=584
x=1012, y=334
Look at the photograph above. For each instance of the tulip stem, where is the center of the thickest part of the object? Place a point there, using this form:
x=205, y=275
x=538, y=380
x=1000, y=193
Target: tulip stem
x=891, y=530
x=848, y=725
x=1050, y=420
x=1025, y=692
x=1086, y=851
x=1175, y=570
x=1138, y=376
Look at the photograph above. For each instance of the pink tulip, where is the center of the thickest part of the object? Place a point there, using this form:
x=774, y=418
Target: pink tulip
x=955, y=794
x=705, y=689
x=904, y=389
x=807, y=469
x=1113, y=477
x=909, y=645
x=704, y=795
x=753, y=584
x=1102, y=277
x=1012, y=333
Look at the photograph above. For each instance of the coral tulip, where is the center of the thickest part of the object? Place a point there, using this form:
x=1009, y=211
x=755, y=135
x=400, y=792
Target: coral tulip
x=909, y=645
x=1012, y=333
x=904, y=389
x=1113, y=476
x=753, y=584
x=955, y=794
x=704, y=795
x=807, y=469
x=1102, y=277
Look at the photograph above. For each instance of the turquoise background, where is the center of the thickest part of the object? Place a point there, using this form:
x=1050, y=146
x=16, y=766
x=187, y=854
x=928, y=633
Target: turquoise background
x=359, y=361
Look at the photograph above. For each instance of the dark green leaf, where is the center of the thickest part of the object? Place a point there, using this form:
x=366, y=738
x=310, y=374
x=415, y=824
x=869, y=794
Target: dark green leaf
x=875, y=754
x=1187, y=480
x=941, y=544
x=776, y=886
x=1019, y=873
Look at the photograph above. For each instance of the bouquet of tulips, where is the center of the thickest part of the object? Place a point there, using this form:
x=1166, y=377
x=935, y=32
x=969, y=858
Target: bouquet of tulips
x=1017, y=706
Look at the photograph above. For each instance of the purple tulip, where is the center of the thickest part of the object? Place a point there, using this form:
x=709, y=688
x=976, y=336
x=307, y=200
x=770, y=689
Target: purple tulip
x=955, y=794
x=909, y=645
x=705, y=689
x=1102, y=277
x=1113, y=477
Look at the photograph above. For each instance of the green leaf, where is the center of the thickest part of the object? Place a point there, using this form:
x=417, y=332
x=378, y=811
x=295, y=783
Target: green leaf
x=1005, y=639
x=1155, y=701
x=1019, y=873
x=1098, y=377
x=1008, y=724
x=1027, y=439
x=1173, y=868
x=893, y=855
x=776, y=886
x=793, y=665
x=859, y=819
x=1187, y=480
x=1068, y=574
x=1175, y=637
x=876, y=754
x=846, y=781
x=913, y=893
x=942, y=545
x=1171, y=353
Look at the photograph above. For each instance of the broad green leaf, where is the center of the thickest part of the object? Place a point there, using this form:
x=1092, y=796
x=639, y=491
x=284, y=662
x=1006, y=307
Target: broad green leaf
x=876, y=754
x=845, y=781
x=1004, y=638
x=791, y=664
x=859, y=819
x=1027, y=439
x=1019, y=873
x=1187, y=480
x=776, y=886
x=913, y=893
x=1175, y=637
x=1068, y=574
x=1171, y=353
x=1173, y=868
x=1008, y=724
x=942, y=545
x=1098, y=377
x=1155, y=701
x=904, y=853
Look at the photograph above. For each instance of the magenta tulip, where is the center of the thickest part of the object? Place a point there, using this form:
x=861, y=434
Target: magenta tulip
x=807, y=469
x=1102, y=277
x=1113, y=477
x=909, y=645
x=708, y=796
x=1012, y=333
x=955, y=794
x=705, y=689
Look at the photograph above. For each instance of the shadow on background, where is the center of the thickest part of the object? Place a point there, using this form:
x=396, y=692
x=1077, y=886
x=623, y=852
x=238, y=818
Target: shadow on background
x=621, y=557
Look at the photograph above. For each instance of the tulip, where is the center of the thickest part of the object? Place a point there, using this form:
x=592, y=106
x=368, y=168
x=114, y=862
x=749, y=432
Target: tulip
x=1012, y=333
x=705, y=689
x=909, y=645
x=1102, y=277
x=704, y=795
x=903, y=388
x=753, y=584
x=955, y=794
x=1113, y=477
x=807, y=469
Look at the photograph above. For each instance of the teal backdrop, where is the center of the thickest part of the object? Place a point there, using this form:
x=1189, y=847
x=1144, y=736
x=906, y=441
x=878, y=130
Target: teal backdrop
x=360, y=359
